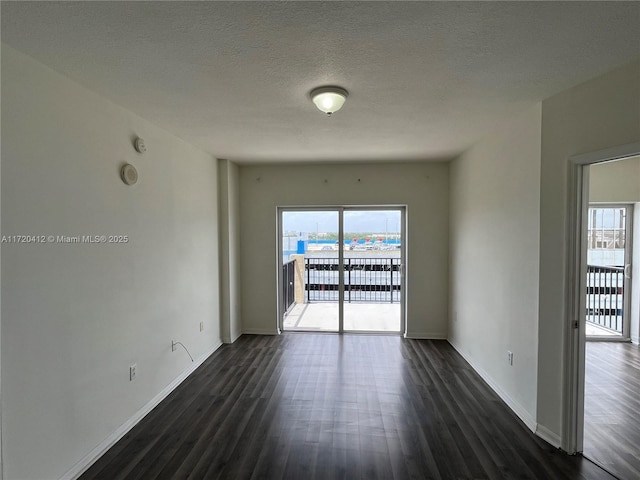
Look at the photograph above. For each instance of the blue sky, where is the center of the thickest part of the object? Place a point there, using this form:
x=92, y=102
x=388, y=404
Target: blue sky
x=371, y=221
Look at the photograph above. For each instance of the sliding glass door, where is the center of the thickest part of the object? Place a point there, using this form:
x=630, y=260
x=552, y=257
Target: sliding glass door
x=609, y=236
x=372, y=270
x=309, y=296
x=341, y=269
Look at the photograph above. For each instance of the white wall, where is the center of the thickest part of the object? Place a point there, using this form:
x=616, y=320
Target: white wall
x=595, y=115
x=229, y=194
x=615, y=182
x=75, y=316
x=494, y=252
x=423, y=187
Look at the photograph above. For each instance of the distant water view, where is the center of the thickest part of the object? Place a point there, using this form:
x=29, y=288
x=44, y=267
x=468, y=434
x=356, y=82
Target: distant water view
x=329, y=248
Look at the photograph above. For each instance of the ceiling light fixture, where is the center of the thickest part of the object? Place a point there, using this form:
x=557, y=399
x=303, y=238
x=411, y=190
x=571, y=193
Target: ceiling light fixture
x=329, y=99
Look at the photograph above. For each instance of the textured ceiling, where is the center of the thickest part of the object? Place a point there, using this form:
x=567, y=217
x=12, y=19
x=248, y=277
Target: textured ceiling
x=426, y=79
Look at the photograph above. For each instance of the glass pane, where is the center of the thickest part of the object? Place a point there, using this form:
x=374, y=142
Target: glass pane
x=606, y=283
x=372, y=274
x=310, y=270
x=606, y=236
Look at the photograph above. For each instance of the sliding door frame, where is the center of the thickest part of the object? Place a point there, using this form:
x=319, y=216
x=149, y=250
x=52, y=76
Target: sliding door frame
x=340, y=210
x=625, y=336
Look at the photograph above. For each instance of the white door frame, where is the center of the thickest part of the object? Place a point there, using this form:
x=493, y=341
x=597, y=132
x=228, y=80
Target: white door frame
x=403, y=254
x=574, y=324
x=340, y=209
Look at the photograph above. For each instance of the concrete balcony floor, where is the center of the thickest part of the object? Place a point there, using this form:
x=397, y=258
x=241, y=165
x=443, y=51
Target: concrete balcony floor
x=323, y=317
x=375, y=317
x=593, y=330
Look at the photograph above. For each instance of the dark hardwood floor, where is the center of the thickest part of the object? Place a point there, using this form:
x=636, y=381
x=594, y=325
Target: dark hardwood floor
x=612, y=407
x=321, y=406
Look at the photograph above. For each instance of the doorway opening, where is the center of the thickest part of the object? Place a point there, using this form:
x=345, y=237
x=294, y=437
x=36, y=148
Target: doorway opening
x=612, y=393
x=341, y=269
x=602, y=392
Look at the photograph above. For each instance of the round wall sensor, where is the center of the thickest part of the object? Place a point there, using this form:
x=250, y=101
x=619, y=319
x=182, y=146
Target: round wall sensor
x=139, y=145
x=129, y=174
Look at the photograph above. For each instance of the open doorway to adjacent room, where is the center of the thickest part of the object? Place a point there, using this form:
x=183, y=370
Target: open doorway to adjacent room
x=607, y=371
x=341, y=269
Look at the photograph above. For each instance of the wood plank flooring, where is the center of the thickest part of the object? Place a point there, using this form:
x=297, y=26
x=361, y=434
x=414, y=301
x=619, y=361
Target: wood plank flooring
x=322, y=406
x=612, y=406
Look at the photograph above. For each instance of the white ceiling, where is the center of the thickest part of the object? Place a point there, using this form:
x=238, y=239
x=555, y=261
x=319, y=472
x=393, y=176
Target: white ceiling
x=426, y=79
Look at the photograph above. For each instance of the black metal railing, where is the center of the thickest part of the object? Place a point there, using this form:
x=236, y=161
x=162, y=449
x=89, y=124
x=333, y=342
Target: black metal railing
x=365, y=280
x=288, y=284
x=605, y=297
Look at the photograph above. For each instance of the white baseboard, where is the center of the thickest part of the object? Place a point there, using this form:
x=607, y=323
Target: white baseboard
x=518, y=409
x=259, y=331
x=426, y=336
x=548, y=436
x=232, y=338
x=86, y=462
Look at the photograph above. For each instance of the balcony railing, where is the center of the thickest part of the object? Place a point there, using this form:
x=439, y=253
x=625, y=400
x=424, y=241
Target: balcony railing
x=365, y=279
x=605, y=297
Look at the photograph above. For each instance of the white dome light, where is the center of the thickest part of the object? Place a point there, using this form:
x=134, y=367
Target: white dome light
x=329, y=99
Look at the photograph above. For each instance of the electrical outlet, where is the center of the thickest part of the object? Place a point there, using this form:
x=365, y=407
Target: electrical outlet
x=510, y=358
x=201, y=326
x=132, y=372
